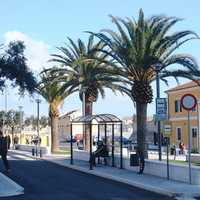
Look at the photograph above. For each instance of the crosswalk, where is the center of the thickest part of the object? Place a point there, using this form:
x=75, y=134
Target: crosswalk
x=14, y=156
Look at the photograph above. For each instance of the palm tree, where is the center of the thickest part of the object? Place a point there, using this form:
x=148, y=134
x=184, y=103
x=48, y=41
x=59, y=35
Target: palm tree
x=139, y=47
x=51, y=91
x=86, y=70
x=13, y=67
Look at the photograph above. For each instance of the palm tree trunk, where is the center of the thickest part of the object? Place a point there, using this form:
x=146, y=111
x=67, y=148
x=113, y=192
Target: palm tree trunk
x=141, y=110
x=88, y=111
x=54, y=134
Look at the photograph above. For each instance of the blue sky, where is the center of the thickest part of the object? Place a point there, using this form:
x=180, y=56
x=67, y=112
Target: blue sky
x=45, y=24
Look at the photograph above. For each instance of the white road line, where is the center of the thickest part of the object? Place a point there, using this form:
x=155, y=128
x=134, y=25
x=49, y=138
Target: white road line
x=17, y=156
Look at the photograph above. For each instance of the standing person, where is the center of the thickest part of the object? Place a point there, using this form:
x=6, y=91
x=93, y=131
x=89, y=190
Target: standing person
x=4, y=151
x=7, y=137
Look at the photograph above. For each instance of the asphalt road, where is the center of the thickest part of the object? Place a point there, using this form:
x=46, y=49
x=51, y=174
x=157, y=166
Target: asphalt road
x=47, y=181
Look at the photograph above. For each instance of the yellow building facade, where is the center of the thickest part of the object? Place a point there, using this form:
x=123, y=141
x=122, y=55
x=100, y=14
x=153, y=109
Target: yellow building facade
x=178, y=117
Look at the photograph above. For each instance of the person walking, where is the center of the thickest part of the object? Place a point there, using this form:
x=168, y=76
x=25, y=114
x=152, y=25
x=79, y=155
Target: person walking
x=4, y=151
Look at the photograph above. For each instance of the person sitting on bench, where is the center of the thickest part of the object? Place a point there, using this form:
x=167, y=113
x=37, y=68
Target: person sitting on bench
x=101, y=151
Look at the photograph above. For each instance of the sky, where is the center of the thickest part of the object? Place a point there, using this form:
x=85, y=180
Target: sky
x=45, y=25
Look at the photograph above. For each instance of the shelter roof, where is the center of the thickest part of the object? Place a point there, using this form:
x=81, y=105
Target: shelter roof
x=101, y=118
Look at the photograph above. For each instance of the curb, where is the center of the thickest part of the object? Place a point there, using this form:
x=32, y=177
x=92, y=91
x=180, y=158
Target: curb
x=120, y=180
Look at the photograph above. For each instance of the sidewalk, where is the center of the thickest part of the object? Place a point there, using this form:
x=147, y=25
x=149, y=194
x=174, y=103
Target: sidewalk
x=151, y=183
x=9, y=187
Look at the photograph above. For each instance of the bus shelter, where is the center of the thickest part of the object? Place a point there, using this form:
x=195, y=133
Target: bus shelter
x=108, y=127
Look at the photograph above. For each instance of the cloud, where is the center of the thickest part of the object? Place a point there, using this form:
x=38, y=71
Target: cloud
x=37, y=52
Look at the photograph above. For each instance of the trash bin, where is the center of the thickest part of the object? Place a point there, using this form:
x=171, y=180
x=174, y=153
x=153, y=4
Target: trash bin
x=172, y=151
x=40, y=153
x=134, y=160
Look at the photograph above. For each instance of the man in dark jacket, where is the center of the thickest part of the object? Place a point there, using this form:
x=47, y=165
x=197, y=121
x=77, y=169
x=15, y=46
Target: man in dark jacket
x=4, y=151
x=101, y=151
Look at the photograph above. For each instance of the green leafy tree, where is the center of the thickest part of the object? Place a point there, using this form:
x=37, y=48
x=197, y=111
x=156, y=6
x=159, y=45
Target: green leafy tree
x=12, y=120
x=31, y=121
x=13, y=67
x=44, y=121
x=141, y=48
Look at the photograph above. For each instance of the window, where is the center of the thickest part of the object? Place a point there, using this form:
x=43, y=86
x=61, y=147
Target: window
x=178, y=107
x=178, y=133
x=194, y=132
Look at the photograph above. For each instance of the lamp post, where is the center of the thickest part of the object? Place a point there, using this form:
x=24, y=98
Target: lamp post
x=157, y=70
x=83, y=114
x=38, y=101
x=5, y=110
x=20, y=123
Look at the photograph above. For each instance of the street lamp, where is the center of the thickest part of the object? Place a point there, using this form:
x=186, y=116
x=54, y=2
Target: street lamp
x=83, y=114
x=20, y=122
x=38, y=101
x=5, y=112
x=157, y=70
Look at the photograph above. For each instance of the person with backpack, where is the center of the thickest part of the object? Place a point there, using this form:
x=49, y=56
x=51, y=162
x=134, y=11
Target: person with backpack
x=4, y=151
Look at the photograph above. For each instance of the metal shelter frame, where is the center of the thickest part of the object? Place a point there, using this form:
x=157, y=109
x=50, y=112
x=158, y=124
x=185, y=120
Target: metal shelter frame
x=101, y=119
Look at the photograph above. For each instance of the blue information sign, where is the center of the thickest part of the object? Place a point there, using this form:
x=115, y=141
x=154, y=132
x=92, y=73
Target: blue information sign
x=161, y=109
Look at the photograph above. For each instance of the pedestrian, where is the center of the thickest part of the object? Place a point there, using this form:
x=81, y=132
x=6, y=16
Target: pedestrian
x=7, y=137
x=101, y=151
x=181, y=147
x=4, y=151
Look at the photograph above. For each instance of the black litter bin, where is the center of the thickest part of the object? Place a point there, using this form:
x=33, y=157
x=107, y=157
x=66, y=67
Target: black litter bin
x=134, y=160
x=172, y=150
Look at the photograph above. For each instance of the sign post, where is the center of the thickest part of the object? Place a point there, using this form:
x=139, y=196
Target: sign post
x=161, y=109
x=189, y=102
x=161, y=114
x=167, y=133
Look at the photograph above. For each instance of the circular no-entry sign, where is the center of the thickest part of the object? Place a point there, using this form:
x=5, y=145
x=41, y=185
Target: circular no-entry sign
x=188, y=102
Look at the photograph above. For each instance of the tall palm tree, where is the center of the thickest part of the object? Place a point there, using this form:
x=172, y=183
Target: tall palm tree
x=141, y=48
x=87, y=71
x=13, y=66
x=51, y=91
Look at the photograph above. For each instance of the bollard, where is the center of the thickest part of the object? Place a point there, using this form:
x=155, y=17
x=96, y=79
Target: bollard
x=40, y=153
x=33, y=152
x=36, y=153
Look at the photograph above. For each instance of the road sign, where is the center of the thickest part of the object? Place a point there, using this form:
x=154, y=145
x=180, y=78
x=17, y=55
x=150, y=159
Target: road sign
x=167, y=130
x=161, y=109
x=188, y=102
